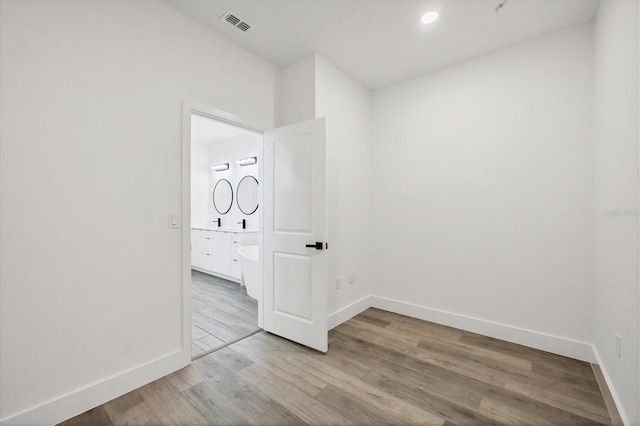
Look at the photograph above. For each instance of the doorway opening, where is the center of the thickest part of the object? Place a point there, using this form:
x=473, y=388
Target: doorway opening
x=289, y=263
x=225, y=233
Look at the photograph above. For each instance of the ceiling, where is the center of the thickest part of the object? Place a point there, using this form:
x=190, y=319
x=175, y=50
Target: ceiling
x=380, y=42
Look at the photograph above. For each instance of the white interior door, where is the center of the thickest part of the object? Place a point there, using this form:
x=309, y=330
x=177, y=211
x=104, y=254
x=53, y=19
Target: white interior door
x=295, y=211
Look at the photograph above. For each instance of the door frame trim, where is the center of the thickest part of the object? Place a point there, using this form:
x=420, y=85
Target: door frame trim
x=192, y=107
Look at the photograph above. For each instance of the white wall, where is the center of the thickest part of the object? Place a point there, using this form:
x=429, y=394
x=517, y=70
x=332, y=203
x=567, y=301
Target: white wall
x=90, y=275
x=229, y=151
x=312, y=87
x=296, y=92
x=616, y=200
x=346, y=105
x=200, y=171
x=483, y=196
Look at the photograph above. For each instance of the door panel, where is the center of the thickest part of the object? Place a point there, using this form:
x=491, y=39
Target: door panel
x=292, y=293
x=295, y=276
x=293, y=185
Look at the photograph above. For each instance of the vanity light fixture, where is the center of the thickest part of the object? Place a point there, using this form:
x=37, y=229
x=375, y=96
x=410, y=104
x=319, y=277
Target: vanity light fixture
x=429, y=17
x=247, y=161
x=220, y=167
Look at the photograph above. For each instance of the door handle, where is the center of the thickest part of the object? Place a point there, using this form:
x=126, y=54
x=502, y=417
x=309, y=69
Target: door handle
x=317, y=246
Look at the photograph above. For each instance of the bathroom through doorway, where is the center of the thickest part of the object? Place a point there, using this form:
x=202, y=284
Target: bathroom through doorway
x=225, y=217
x=290, y=273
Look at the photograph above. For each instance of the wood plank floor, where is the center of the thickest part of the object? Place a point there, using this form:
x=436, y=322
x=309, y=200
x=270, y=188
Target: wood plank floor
x=381, y=368
x=221, y=311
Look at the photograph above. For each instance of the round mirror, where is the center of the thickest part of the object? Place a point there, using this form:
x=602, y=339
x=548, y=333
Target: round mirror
x=247, y=195
x=222, y=196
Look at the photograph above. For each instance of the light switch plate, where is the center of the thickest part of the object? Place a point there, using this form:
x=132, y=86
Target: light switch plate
x=174, y=220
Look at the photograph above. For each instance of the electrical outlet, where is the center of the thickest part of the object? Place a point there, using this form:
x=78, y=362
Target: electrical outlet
x=352, y=277
x=338, y=283
x=619, y=345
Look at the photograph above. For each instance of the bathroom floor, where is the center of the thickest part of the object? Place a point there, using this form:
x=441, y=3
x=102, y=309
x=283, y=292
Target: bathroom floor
x=221, y=311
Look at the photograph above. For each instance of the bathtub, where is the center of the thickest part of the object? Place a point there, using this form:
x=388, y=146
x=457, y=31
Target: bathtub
x=251, y=273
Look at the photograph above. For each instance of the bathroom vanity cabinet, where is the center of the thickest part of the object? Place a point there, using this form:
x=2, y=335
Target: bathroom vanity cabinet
x=215, y=251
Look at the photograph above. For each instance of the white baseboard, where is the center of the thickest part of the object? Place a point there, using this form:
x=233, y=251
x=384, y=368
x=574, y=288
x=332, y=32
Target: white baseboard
x=349, y=311
x=81, y=400
x=609, y=383
x=546, y=342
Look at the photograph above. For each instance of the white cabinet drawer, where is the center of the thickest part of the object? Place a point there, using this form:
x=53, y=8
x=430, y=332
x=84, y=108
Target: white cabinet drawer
x=235, y=268
x=200, y=250
x=217, y=251
x=214, y=249
x=225, y=253
x=235, y=245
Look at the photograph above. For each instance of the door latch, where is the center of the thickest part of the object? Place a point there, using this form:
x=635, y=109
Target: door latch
x=317, y=245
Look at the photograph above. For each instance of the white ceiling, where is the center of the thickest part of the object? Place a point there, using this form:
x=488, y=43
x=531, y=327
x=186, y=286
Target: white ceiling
x=205, y=130
x=380, y=42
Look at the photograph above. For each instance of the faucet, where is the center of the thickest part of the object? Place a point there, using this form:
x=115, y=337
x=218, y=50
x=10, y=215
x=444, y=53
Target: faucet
x=218, y=221
x=244, y=223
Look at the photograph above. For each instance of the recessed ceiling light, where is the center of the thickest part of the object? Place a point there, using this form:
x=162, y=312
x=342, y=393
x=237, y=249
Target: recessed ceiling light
x=429, y=17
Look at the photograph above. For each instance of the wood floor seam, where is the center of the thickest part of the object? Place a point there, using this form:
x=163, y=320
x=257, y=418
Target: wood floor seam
x=381, y=368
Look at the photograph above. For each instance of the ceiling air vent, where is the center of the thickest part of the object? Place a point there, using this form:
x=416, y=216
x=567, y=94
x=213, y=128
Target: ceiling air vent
x=243, y=26
x=236, y=21
x=232, y=19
